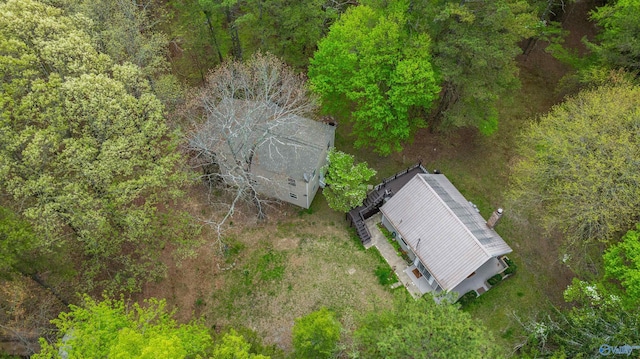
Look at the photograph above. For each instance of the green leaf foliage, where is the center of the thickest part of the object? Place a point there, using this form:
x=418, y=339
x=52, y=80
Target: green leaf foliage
x=346, y=182
x=622, y=263
x=579, y=167
x=113, y=329
x=316, y=334
x=423, y=329
x=370, y=62
x=208, y=32
x=17, y=241
x=474, y=52
x=604, y=311
x=84, y=147
x=234, y=346
x=618, y=44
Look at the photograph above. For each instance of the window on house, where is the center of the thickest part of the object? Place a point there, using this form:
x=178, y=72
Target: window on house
x=424, y=271
x=293, y=195
x=291, y=181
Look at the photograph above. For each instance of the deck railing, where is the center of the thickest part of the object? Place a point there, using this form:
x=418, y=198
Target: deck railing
x=372, y=203
x=395, y=176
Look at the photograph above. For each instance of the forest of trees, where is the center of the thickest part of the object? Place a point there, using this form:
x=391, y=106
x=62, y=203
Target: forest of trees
x=112, y=112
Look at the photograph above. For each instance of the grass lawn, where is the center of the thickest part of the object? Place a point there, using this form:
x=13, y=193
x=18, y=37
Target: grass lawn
x=300, y=260
x=292, y=268
x=479, y=167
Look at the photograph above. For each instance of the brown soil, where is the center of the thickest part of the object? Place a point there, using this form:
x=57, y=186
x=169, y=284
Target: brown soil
x=189, y=284
x=465, y=150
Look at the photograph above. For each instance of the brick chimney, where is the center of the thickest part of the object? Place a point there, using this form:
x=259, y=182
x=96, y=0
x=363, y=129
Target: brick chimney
x=495, y=216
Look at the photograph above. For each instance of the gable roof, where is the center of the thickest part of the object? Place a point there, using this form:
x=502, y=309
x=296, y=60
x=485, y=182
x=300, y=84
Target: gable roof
x=284, y=143
x=295, y=146
x=442, y=228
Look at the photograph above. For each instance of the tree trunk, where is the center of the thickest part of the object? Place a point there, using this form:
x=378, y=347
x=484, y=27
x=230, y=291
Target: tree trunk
x=236, y=47
x=207, y=14
x=36, y=278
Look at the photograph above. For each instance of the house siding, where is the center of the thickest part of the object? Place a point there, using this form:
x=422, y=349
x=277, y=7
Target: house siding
x=403, y=245
x=483, y=273
x=278, y=186
x=425, y=216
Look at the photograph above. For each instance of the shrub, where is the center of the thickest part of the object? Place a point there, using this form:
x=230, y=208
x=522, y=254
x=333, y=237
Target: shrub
x=316, y=334
x=467, y=298
x=495, y=279
x=385, y=275
x=511, y=266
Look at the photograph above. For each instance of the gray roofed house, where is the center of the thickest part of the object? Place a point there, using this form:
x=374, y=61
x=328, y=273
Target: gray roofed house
x=450, y=243
x=266, y=147
x=292, y=159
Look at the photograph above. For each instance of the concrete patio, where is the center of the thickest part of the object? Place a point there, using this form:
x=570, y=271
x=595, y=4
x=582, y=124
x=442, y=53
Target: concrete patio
x=399, y=265
x=417, y=287
x=478, y=281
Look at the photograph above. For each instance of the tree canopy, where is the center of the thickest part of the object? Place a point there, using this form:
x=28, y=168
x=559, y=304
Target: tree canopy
x=84, y=149
x=113, y=329
x=578, y=170
x=316, y=334
x=622, y=263
x=234, y=346
x=370, y=62
x=605, y=311
x=17, y=242
x=476, y=43
x=618, y=45
x=423, y=329
x=346, y=181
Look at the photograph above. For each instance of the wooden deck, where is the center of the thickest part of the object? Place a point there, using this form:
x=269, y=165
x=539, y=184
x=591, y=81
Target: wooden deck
x=375, y=199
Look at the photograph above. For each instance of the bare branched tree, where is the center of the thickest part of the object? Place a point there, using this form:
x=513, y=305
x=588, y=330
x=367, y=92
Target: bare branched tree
x=245, y=111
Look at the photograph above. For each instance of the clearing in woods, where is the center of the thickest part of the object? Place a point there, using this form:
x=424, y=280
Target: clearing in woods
x=298, y=261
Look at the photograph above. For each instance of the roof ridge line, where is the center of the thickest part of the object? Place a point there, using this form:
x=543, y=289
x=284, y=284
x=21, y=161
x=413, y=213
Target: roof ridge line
x=421, y=175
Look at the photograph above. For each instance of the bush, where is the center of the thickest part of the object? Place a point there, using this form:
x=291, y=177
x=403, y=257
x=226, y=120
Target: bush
x=467, y=298
x=385, y=275
x=512, y=266
x=316, y=334
x=495, y=279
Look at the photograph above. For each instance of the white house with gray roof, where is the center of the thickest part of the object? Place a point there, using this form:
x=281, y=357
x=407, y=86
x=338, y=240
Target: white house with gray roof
x=451, y=245
x=265, y=147
x=288, y=165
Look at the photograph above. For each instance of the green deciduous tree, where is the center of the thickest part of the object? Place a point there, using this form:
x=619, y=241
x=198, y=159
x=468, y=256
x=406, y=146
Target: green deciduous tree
x=622, y=263
x=423, y=329
x=85, y=154
x=209, y=31
x=346, y=181
x=234, y=346
x=128, y=32
x=605, y=311
x=17, y=242
x=618, y=44
x=113, y=329
x=579, y=164
x=316, y=334
x=370, y=62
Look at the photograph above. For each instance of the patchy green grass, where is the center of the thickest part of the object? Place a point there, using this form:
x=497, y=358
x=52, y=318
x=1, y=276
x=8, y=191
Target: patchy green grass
x=292, y=268
x=479, y=167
